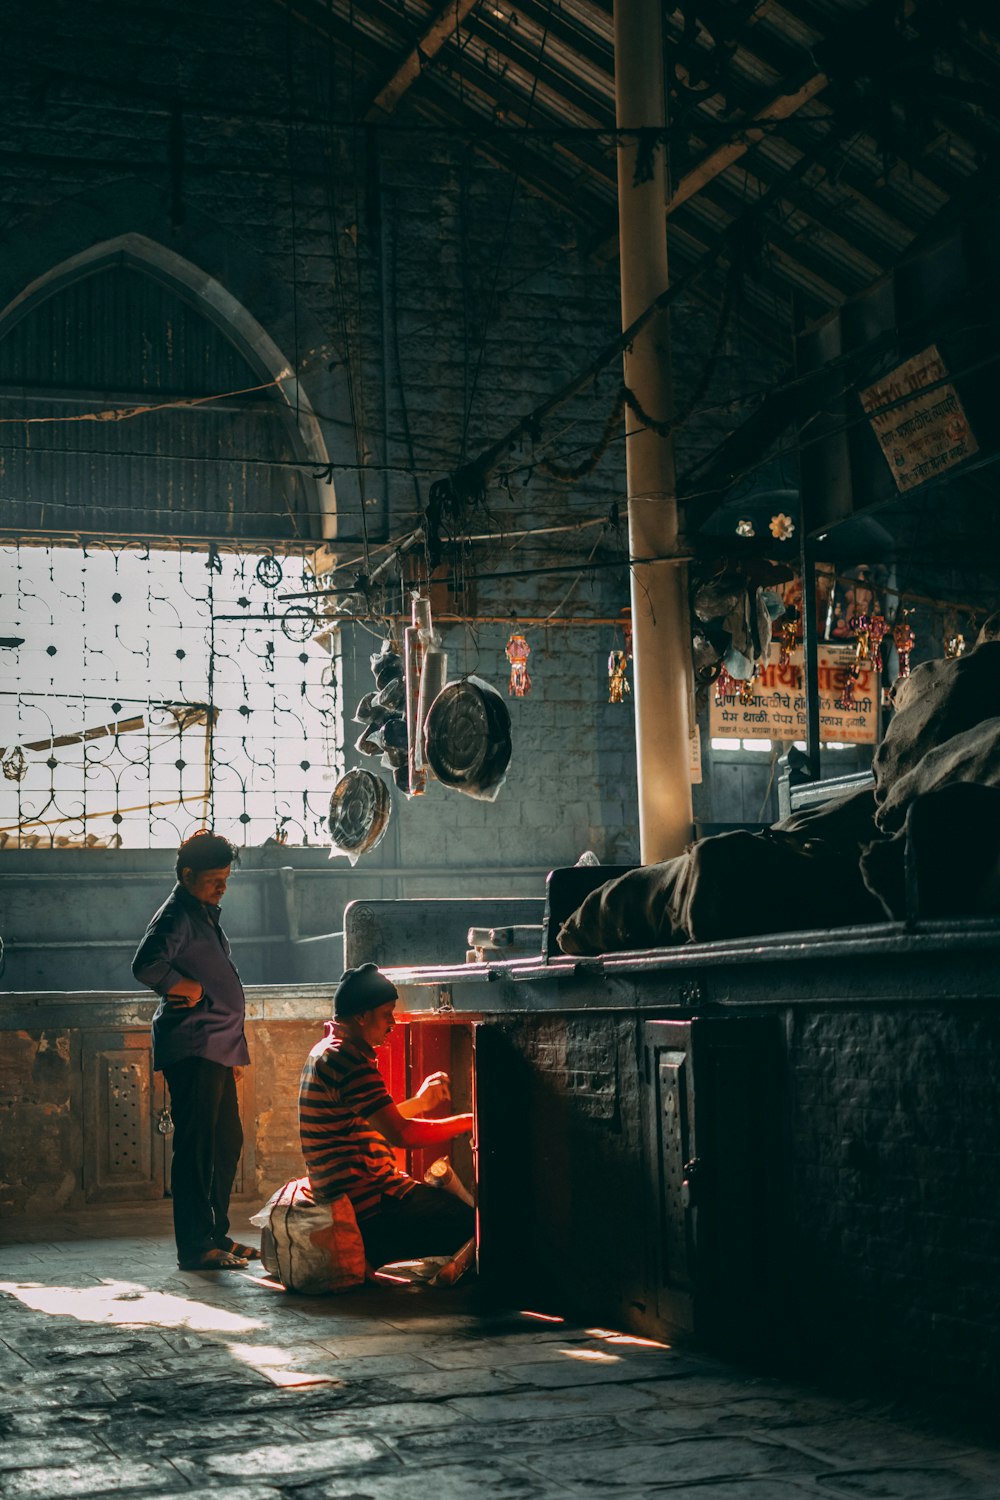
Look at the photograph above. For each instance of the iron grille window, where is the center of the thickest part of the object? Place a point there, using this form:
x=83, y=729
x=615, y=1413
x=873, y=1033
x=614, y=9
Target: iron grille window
x=148, y=691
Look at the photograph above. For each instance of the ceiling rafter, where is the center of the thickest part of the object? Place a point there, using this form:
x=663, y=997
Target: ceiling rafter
x=786, y=105
x=442, y=29
x=781, y=107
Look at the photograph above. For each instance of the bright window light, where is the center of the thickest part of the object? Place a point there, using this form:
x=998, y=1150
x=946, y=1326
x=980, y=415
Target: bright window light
x=836, y=745
x=725, y=744
x=758, y=746
x=158, y=690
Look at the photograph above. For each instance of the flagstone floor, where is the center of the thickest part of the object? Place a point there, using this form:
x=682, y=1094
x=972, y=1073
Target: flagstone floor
x=120, y=1373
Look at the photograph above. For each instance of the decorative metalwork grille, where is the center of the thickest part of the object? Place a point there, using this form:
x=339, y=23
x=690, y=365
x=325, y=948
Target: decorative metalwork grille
x=149, y=691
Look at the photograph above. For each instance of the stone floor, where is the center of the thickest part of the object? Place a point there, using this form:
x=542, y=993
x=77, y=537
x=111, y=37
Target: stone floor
x=120, y=1373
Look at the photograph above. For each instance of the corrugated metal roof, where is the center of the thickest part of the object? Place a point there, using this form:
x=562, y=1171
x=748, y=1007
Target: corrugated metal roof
x=900, y=110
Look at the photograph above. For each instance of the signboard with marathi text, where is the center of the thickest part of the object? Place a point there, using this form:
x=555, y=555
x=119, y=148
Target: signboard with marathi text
x=925, y=436
x=777, y=709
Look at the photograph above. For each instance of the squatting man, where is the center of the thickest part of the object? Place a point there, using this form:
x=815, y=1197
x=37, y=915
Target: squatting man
x=348, y=1125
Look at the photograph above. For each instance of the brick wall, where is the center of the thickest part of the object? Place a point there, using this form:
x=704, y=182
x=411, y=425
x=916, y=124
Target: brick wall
x=895, y=1151
x=66, y=1141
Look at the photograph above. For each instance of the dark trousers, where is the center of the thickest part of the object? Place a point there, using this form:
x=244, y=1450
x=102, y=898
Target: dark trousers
x=208, y=1139
x=427, y=1221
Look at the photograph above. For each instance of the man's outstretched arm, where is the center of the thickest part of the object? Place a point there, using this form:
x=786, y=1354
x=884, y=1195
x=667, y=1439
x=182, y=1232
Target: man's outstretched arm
x=399, y=1131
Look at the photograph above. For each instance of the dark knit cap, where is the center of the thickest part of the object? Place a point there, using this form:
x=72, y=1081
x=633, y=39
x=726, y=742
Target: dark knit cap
x=361, y=989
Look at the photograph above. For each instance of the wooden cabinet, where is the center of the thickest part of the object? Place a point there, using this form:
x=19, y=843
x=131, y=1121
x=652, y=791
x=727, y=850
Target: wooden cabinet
x=631, y=1170
x=126, y=1155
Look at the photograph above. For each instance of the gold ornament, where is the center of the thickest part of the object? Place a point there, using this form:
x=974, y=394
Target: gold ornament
x=618, y=684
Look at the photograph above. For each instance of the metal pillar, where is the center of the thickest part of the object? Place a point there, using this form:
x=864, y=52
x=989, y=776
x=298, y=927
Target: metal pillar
x=661, y=633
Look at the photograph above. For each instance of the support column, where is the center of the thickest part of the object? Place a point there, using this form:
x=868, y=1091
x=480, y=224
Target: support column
x=661, y=633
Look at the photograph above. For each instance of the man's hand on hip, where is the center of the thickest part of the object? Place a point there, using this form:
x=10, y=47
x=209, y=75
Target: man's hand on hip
x=185, y=993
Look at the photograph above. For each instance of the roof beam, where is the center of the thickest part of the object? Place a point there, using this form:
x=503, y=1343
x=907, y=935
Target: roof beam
x=441, y=30
x=780, y=108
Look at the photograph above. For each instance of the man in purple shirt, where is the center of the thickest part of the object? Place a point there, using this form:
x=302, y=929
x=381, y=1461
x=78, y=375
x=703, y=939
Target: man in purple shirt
x=200, y=1047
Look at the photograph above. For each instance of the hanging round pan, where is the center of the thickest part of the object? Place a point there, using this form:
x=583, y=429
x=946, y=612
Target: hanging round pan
x=467, y=738
x=359, y=814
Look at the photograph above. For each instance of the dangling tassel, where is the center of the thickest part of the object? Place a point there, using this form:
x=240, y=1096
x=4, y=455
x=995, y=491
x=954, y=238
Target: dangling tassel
x=905, y=641
x=618, y=684
x=518, y=652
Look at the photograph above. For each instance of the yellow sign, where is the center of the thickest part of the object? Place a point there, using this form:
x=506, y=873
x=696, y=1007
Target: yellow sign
x=777, y=710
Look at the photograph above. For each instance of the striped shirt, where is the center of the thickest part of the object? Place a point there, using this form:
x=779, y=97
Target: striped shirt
x=341, y=1088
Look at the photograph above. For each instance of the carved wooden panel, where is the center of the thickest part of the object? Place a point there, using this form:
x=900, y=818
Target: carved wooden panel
x=123, y=1153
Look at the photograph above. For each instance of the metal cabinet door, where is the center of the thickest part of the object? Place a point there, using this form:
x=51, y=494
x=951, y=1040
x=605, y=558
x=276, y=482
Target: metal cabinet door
x=670, y=1168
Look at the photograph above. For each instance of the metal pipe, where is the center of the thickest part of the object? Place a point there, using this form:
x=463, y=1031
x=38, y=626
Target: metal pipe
x=660, y=618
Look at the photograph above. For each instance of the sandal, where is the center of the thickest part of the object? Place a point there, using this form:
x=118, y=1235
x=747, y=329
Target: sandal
x=247, y=1252
x=214, y=1260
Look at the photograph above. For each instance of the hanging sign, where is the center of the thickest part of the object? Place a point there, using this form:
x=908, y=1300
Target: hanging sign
x=776, y=708
x=927, y=435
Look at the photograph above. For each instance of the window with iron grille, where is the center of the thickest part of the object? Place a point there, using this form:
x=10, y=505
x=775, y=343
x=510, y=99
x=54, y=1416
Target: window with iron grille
x=149, y=690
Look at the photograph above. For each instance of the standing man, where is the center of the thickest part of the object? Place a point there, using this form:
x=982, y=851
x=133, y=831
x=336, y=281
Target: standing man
x=348, y=1124
x=200, y=1047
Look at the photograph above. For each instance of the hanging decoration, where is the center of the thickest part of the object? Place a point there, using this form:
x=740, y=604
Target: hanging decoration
x=954, y=644
x=869, y=632
x=725, y=687
x=517, y=654
x=740, y=688
x=905, y=640
x=788, y=635
x=618, y=683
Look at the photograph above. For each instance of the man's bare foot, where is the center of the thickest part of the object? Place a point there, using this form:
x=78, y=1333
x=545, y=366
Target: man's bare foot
x=214, y=1260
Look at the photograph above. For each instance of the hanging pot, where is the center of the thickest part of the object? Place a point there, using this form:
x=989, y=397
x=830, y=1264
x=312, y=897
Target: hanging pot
x=359, y=814
x=467, y=738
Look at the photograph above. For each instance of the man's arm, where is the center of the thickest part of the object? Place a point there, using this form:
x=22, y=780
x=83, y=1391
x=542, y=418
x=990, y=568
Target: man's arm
x=399, y=1131
x=153, y=964
x=435, y=1090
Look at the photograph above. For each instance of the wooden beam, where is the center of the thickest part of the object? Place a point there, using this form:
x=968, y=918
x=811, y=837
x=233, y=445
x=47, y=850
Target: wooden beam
x=441, y=29
x=780, y=108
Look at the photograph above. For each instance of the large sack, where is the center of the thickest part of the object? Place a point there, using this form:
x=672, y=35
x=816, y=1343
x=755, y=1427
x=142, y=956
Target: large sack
x=973, y=756
x=945, y=860
x=740, y=884
x=939, y=700
x=635, y=910
x=316, y=1247
x=730, y=885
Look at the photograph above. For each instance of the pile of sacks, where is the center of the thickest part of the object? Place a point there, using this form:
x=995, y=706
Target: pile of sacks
x=924, y=840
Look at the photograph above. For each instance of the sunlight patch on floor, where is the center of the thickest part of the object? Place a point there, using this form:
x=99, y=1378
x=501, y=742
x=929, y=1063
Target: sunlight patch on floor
x=275, y=1364
x=127, y=1304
